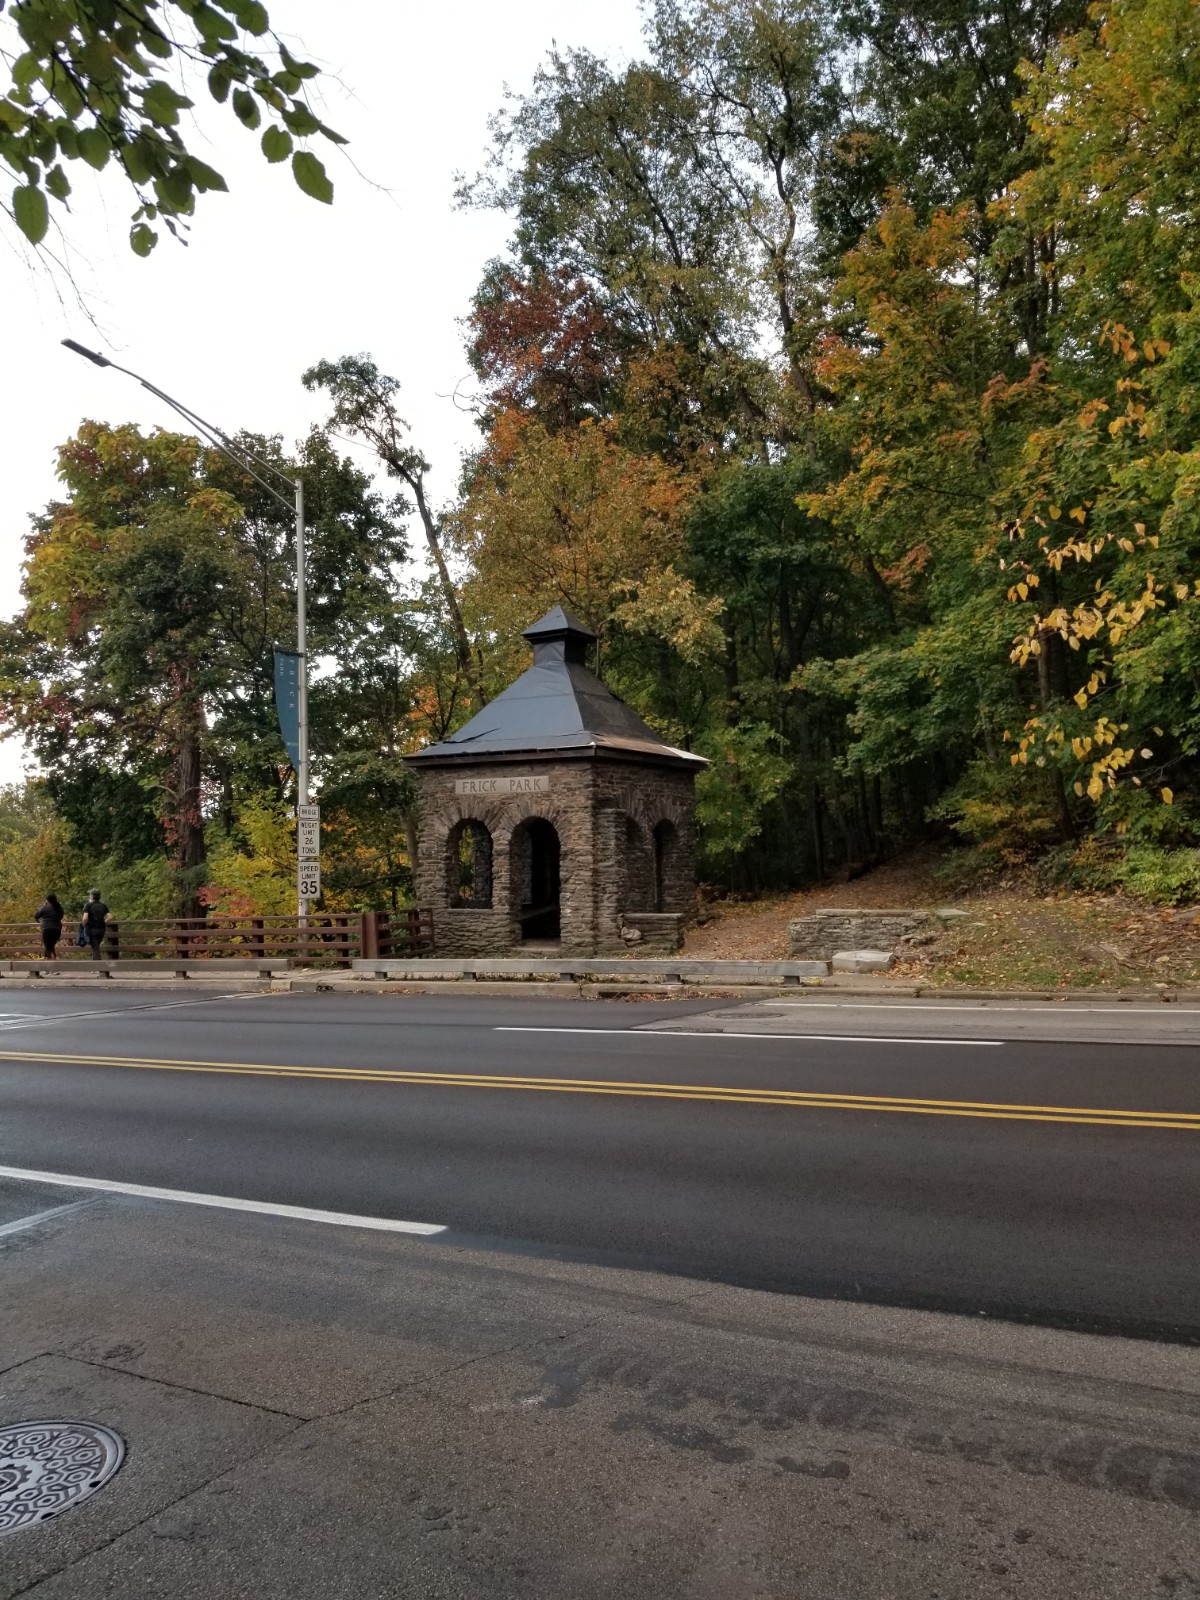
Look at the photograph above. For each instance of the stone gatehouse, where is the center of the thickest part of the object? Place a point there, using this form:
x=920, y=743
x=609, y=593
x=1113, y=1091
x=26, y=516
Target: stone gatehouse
x=556, y=817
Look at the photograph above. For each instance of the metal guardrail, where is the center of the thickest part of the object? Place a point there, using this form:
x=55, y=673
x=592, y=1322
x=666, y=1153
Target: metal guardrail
x=320, y=939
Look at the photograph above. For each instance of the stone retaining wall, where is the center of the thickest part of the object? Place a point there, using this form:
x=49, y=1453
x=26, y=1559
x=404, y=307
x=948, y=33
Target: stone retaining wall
x=822, y=934
x=658, y=932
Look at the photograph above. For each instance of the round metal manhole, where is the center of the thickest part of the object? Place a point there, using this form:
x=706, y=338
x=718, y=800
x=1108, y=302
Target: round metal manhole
x=47, y=1467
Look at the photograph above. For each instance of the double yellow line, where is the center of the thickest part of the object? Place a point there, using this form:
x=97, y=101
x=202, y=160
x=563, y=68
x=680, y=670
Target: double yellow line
x=1085, y=1116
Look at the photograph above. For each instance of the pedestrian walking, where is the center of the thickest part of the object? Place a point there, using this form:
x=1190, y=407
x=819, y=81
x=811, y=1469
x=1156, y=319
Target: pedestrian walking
x=95, y=915
x=49, y=917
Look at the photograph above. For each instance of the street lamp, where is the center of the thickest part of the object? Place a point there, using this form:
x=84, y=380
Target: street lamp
x=248, y=461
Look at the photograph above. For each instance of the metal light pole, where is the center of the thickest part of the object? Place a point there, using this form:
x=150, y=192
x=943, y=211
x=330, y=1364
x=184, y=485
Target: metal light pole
x=248, y=461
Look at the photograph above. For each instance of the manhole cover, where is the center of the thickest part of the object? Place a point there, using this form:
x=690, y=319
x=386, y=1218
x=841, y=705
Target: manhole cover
x=45, y=1467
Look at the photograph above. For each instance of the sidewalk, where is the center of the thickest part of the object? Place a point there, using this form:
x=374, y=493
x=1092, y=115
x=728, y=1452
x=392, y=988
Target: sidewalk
x=313, y=1413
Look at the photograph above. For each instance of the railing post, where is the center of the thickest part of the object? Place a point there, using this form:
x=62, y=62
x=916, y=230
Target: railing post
x=259, y=943
x=368, y=935
x=114, y=941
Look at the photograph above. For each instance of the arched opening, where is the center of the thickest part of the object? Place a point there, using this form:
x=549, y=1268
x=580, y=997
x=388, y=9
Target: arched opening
x=469, y=865
x=535, y=867
x=637, y=869
x=666, y=841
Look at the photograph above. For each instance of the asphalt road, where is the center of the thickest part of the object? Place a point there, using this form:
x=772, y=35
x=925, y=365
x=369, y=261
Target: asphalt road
x=902, y=1156
x=319, y=1402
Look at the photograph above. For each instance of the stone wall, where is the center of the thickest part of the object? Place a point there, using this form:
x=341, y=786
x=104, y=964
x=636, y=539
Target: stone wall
x=606, y=813
x=496, y=929
x=821, y=934
x=652, y=933
x=632, y=802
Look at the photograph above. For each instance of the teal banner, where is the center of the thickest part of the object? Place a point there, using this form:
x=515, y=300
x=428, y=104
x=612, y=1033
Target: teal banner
x=287, y=701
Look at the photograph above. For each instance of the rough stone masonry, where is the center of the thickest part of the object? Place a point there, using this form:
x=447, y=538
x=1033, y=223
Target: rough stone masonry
x=823, y=934
x=556, y=818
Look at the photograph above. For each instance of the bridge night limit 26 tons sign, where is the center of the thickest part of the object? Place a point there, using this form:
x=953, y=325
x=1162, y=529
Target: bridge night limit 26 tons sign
x=308, y=852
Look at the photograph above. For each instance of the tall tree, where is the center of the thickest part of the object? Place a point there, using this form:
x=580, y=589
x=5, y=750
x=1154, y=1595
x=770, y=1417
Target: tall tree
x=155, y=594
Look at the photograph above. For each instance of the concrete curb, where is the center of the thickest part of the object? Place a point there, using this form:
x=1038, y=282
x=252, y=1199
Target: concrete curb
x=592, y=989
x=596, y=989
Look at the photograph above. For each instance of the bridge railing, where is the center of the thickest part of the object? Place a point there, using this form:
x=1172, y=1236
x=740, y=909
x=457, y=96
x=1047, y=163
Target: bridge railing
x=323, y=938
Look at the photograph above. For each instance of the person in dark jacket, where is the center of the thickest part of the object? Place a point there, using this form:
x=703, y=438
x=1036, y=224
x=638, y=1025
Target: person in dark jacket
x=49, y=917
x=95, y=915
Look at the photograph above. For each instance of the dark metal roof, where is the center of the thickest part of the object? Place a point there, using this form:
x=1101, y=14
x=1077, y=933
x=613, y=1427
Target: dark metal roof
x=556, y=705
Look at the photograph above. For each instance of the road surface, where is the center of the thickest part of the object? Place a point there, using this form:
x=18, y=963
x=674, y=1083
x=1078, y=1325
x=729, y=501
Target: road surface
x=462, y=1298
x=908, y=1155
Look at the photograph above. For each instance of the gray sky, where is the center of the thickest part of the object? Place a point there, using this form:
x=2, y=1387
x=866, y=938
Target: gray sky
x=273, y=281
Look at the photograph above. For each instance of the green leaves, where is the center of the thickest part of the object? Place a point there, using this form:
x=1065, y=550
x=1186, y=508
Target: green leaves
x=250, y=14
x=276, y=144
x=162, y=104
x=95, y=147
x=57, y=183
x=205, y=177
x=219, y=81
x=31, y=212
x=310, y=175
x=246, y=109
x=98, y=80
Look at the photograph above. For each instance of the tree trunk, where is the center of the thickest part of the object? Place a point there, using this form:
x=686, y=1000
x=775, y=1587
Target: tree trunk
x=187, y=821
x=467, y=661
x=410, y=843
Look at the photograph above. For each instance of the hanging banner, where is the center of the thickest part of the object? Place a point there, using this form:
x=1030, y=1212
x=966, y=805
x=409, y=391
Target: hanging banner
x=287, y=701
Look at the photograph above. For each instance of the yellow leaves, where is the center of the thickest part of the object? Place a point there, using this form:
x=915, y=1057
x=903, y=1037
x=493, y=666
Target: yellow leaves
x=666, y=605
x=1168, y=797
x=576, y=518
x=1055, y=513
x=1077, y=513
x=1146, y=754
x=1181, y=591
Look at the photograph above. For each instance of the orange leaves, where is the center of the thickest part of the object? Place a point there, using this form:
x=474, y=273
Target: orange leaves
x=570, y=517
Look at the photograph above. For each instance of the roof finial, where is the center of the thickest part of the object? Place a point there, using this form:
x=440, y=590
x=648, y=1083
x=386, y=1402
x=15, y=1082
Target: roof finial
x=558, y=636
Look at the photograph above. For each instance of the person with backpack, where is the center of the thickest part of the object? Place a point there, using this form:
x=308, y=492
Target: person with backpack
x=95, y=915
x=49, y=917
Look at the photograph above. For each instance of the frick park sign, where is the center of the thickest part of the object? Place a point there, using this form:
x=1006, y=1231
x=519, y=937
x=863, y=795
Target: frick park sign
x=489, y=786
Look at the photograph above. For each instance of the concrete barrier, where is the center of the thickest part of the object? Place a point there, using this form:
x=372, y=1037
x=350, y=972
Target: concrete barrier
x=75, y=971
x=515, y=969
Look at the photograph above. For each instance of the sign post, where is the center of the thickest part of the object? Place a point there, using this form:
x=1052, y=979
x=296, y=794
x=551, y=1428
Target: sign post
x=308, y=854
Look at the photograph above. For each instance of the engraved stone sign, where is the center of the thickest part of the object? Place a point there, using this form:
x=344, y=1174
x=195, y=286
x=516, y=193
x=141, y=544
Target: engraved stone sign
x=501, y=786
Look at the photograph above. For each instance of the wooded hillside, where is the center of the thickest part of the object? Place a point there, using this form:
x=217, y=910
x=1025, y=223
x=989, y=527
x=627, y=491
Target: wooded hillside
x=843, y=375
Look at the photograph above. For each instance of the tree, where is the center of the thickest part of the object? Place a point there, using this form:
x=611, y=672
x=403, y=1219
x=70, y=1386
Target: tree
x=155, y=594
x=364, y=406
x=679, y=189
x=91, y=81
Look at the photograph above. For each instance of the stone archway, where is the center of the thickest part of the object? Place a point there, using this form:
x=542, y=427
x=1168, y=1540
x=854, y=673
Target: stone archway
x=469, y=864
x=535, y=878
x=665, y=843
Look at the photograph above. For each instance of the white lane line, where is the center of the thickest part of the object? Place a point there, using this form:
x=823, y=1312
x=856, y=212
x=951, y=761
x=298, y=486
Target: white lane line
x=650, y=1031
x=266, y=1208
x=43, y=1216
x=1061, y=1008
x=41, y=1019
